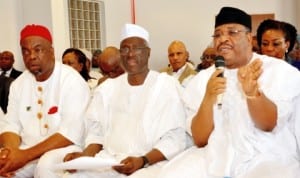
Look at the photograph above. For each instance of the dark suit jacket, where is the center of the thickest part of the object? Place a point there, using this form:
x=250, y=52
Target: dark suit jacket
x=15, y=73
x=4, y=91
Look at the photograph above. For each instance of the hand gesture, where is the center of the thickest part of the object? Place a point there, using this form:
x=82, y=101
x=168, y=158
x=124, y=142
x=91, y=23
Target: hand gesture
x=248, y=76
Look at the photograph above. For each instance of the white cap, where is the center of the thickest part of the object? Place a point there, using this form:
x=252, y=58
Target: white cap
x=132, y=30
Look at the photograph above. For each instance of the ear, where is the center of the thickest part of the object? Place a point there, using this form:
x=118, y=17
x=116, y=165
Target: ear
x=81, y=66
x=249, y=36
x=187, y=56
x=287, y=45
x=149, y=51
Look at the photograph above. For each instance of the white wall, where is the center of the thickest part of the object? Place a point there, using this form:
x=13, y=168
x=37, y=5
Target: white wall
x=10, y=18
x=191, y=21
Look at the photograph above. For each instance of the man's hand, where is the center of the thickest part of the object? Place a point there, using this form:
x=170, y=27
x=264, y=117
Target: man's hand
x=71, y=156
x=130, y=165
x=248, y=76
x=215, y=86
x=11, y=159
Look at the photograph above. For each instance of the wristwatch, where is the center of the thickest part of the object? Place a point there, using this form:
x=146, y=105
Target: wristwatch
x=145, y=162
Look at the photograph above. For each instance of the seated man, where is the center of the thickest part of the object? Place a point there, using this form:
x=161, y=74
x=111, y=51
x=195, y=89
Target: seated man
x=109, y=62
x=45, y=110
x=137, y=118
x=250, y=135
x=180, y=67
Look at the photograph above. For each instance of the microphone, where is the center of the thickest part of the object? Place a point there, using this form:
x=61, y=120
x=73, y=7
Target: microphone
x=220, y=64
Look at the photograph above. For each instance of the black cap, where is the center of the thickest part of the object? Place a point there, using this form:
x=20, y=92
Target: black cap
x=233, y=15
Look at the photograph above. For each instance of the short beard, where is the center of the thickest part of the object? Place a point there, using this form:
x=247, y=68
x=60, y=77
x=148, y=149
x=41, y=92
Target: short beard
x=36, y=73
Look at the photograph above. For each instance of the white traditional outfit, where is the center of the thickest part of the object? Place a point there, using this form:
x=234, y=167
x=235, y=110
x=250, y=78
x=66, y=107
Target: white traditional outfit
x=297, y=123
x=236, y=148
x=37, y=110
x=132, y=120
x=1, y=113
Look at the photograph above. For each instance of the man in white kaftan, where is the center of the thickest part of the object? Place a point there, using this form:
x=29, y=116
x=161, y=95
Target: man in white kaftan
x=136, y=121
x=43, y=114
x=61, y=90
x=237, y=147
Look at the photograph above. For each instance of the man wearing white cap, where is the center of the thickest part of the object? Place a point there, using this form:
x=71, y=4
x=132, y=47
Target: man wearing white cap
x=136, y=119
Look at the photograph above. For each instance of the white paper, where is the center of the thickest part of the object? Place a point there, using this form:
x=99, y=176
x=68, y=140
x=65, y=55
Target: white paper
x=86, y=163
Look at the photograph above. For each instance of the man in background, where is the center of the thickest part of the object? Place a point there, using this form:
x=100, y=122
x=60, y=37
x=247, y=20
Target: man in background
x=180, y=67
x=207, y=59
x=7, y=75
x=6, y=65
x=109, y=62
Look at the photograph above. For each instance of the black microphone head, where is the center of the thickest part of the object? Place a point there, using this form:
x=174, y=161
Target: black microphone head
x=219, y=61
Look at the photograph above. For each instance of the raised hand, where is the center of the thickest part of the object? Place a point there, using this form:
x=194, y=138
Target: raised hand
x=248, y=77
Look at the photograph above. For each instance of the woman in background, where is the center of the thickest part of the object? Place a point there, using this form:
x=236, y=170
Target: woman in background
x=276, y=38
x=76, y=59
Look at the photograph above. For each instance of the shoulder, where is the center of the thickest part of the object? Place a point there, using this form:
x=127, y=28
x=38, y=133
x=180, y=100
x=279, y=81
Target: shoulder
x=23, y=78
x=166, y=69
x=161, y=76
x=279, y=75
x=65, y=71
x=190, y=70
x=164, y=80
x=16, y=71
x=277, y=66
x=111, y=83
x=200, y=79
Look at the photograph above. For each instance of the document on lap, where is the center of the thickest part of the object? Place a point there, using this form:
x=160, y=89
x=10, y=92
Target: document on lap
x=87, y=163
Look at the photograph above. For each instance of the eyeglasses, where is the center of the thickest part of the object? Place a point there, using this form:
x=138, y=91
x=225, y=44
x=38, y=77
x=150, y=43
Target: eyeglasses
x=231, y=33
x=135, y=50
x=205, y=57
